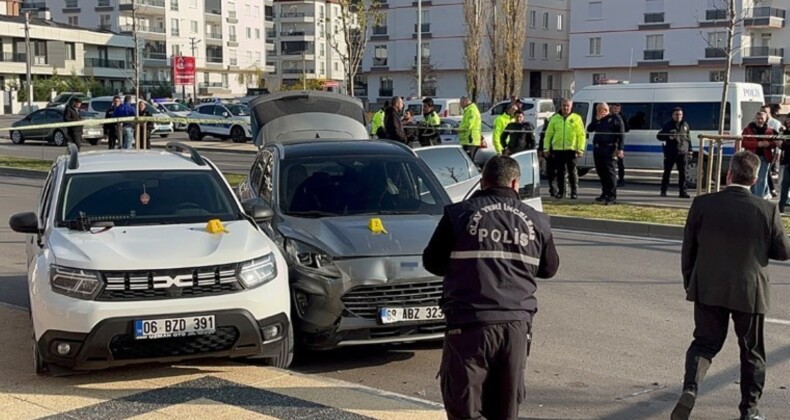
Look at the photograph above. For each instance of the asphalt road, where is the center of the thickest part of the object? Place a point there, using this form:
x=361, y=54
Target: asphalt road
x=610, y=335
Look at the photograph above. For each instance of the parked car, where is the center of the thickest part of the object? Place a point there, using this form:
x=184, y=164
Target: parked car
x=237, y=129
x=536, y=111
x=102, y=103
x=445, y=107
x=448, y=133
x=64, y=98
x=147, y=256
x=174, y=109
x=57, y=136
x=352, y=217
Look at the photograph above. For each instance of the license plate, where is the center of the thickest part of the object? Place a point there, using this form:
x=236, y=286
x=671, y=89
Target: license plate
x=420, y=313
x=146, y=329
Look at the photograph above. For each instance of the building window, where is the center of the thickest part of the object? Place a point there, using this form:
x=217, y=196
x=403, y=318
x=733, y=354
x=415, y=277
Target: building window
x=74, y=20
x=595, y=10
x=105, y=23
x=533, y=17
x=321, y=49
x=193, y=4
x=559, y=22
x=176, y=49
x=716, y=76
x=598, y=78
x=545, y=54
x=225, y=80
x=232, y=58
x=595, y=46
x=545, y=20
x=71, y=3
x=655, y=42
x=103, y=3
x=559, y=51
x=193, y=26
x=532, y=50
x=717, y=39
x=550, y=82
x=337, y=67
x=659, y=77
x=323, y=68
x=380, y=55
x=71, y=51
x=385, y=86
x=206, y=78
x=249, y=33
x=257, y=33
x=174, y=27
x=174, y=5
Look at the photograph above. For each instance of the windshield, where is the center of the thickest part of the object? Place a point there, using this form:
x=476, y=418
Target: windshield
x=238, y=110
x=146, y=197
x=485, y=128
x=356, y=185
x=62, y=98
x=176, y=107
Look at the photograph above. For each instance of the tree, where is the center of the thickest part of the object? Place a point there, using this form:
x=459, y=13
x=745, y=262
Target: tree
x=430, y=75
x=496, y=46
x=475, y=17
x=349, y=33
x=312, y=84
x=514, y=26
x=252, y=76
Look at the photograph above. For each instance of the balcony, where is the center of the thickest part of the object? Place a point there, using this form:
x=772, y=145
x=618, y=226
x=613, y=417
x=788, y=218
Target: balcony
x=105, y=63
x=13, y=57
x=271, y=35
x=652, y=55
x=302, y=34
x=293, y=53
x=232, y=17
x=158, y=33
x=715, y=53
x=776, y=94
x=298, y=71
x=653, y=21
x=426, y=61
x=209, y=88
x=765, y=18
x=763, y=56
x=144, y=7
x=714, y=18
x=379, y=33
x=426, y=30
x=214, y=59
x=386, y=92
x=213, y=36
x=155, y=58
x=653, y=58
x=287, y=17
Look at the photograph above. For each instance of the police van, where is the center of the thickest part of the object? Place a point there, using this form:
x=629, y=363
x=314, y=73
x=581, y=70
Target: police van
x=646, y=107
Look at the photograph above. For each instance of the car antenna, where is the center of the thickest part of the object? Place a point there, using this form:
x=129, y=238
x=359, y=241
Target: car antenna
x=178, y=147
x=74, y=160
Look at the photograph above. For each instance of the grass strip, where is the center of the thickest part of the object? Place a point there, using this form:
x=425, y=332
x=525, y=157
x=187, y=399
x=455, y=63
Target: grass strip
x=25, y=163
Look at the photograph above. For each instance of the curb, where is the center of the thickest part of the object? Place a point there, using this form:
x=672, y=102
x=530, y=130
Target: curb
x=211, y=149
x=23, y=173
x=618, y=227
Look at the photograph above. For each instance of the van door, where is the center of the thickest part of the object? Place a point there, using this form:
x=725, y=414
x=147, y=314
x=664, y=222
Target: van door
x=529, y=184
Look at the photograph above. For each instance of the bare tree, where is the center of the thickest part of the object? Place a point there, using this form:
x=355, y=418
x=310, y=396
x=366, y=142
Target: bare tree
x=475, y=18
x=514, y=26
x=497, y=74
x=349, y=33
x=430, y=75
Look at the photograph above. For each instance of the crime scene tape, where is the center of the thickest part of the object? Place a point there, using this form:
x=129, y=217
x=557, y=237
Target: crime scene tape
x=104, y=121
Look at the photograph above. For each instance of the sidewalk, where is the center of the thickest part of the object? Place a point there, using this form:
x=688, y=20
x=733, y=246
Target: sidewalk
x=210, y=389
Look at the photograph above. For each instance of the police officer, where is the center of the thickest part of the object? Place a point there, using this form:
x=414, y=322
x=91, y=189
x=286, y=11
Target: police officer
x=677, y=148
x=617, y=110
x=470, y=131
x=607, y=147
x=377, y=120
x=567, y=141
x=72, y=114
x=429, y=126
x=490, y=249
x=500, y=123
x=518, y=136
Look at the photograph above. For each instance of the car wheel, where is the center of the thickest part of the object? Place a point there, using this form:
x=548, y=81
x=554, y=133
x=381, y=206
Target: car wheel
x=93, y=142
x=237, y=134
x=164, y=136
x=16, y=137
x=286, y=353
x=193, y=131
x=39, y=367
x=59, y=138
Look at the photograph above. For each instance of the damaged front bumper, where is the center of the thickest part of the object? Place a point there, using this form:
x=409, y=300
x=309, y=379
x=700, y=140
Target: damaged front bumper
x=344, y=310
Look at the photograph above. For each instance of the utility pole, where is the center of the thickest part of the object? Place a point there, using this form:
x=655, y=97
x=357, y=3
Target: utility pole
x=419, y=48
x=29, y=62
x=136, y=76
x=193, y=42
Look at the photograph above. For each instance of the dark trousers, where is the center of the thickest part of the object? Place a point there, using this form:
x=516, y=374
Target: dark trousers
x=551, y=173
x=620, y=170
x=112, y=138
x=679, y=161
x=605, y=167
x=482, y=373
x=565, y=161
x=785, y=187
x=76, y=138
x=710, y=331
x=471, y=151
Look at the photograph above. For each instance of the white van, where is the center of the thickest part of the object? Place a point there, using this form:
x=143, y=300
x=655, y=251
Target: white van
x=646, y=107
x=445, y=107
x=536, y=111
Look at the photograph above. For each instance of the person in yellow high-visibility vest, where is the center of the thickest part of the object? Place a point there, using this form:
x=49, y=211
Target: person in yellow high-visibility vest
x=377, y=120
x=499, y=127
x=470, y=131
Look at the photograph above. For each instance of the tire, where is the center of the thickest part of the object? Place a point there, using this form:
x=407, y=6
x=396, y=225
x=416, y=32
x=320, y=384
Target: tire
x=93, y=142
x=193, y=131
x=39, y=367
x=17, y=138
x=286, y=352
x=59, y=139
x=237, y=134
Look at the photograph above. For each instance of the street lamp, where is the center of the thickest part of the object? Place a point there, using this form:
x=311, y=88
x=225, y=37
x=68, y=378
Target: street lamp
x=419, y=48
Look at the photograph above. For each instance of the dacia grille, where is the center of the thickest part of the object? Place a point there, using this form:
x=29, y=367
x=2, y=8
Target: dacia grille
x=125, y=347
x=365, y=301
x=169, y=284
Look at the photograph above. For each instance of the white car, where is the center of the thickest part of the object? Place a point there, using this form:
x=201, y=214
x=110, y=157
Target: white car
x=174, y=109
x=144, y=256
x=237, y=128
x=536, y=111
x=448, y=134
x=101, y=104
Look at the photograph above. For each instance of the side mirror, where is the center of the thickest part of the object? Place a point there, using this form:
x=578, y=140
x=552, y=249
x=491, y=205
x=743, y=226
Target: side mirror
x=24, y=222
x=258, y=209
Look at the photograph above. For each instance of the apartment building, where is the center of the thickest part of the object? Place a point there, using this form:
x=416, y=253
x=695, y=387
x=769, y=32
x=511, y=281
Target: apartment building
x=9, y=7
x=227, y=38
x=62, y=49
x=302, y=47
x=659, y=41
x=389, y=66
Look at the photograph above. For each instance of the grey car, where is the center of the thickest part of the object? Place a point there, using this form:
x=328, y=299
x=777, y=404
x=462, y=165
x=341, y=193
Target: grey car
x=57, y=136
x=352, y=217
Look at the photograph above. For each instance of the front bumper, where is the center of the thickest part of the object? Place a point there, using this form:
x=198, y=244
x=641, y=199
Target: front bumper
x=111, y=342
x=337, y=312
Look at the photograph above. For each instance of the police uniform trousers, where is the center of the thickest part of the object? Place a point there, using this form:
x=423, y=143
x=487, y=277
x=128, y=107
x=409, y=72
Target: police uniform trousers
x=482, y=370
x=565, y=164
x=605, y=166
x=681, y=162
x=710, y=331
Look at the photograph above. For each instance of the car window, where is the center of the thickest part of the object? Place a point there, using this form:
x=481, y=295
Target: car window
x=449, y=164
x=698, y=115
x=255, y=175
x=499, y=109
x=447, y=128
x=53, y=115
x=176, y=107
x=526, y=162
x=220, y=110
x=38, y=116
x=101, y=105
x=546, y=106
x=146, y=197
x=356, y=185
x=267, y=178
x=238, y=110
x=416, y=109
x=45, y=201
x=527, y=106
x=62, y=98
x=206, y=110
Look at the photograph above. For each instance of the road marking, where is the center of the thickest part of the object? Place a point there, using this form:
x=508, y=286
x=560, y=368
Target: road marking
x=777, y=321
x=615, y=235
x=11, y=306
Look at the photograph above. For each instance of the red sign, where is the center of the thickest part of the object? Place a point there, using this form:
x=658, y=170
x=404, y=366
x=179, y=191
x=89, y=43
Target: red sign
x=183, y=70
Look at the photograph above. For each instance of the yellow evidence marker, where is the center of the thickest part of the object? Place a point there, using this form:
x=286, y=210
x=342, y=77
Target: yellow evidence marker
x=215, y=226
x=376, y=226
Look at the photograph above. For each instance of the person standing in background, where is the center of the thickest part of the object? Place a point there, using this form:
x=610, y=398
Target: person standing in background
x=617, y=110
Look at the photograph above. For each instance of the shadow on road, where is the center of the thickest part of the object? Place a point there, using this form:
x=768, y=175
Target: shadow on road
x=13, y=291
x=358, y=357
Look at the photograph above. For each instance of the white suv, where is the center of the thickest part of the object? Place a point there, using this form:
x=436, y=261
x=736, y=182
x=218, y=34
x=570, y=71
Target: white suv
x=144, y=256
x=238, y=122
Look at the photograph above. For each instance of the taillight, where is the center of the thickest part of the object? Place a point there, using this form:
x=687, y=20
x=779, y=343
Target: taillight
x=445, y=113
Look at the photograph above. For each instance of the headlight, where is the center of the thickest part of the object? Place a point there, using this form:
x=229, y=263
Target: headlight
x=257, y=272
x=310, y=258
x=74, y=282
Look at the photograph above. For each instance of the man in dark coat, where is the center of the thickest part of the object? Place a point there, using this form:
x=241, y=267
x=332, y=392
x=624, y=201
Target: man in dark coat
x=607, y=147
x=72, y=114
x=675, y=135
x=111, y=130
x=393, y=126
x=729, y=238
x=518, y=135
x=618, y=111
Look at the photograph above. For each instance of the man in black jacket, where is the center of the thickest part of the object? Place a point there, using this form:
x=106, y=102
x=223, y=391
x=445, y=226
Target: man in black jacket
x=518, y=136
x=393, y=127
x=72, y=114
x=677, y=149
x=617, y=110
x=729, y=238
x=607, y=147
x=490, y=250
x=111, y=130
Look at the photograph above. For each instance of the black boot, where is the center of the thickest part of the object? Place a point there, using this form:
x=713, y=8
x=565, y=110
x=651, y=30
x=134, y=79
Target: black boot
x=696, y=369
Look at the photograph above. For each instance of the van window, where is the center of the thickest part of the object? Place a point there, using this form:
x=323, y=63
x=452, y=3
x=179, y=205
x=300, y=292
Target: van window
x=582, y=109
x=699, y=115
x=455, y=109
x=101, y=105
x=527, y=107
x=636, y=115
x=415, y=109
x=748, y=111
x=546, y=107
x=499, y=109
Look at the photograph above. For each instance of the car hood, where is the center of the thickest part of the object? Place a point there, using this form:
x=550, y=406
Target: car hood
x=350, y=236
x=157, y=246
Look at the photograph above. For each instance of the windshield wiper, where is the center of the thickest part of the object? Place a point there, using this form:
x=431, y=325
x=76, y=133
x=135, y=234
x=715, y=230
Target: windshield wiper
x=312, y=213
x=84, y=224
